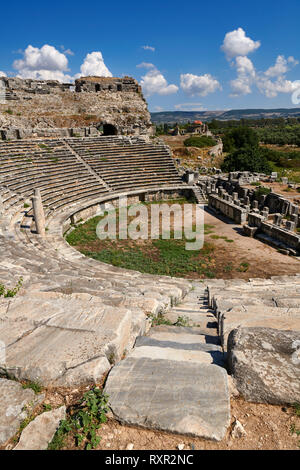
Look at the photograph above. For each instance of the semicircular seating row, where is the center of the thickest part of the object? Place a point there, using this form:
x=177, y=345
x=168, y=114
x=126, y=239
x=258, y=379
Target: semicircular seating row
x=72, y=172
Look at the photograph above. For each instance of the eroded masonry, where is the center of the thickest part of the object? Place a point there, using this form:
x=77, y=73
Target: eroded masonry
x=67, y=320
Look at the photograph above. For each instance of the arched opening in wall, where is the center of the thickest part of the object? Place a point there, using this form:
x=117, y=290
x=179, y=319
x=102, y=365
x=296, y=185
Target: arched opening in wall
x=109, y=129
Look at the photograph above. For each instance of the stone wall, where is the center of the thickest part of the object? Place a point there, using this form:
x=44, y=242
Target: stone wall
x=227, y=208
x=29, y=107
x=97, y=84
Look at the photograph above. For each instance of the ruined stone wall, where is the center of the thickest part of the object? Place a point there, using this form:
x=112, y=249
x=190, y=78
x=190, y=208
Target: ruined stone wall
x=32, y=105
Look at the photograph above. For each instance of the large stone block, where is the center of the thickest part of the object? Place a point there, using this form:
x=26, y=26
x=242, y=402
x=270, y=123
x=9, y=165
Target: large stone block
x=172, y=396
x=265, y=364
x=58, y=339
x=258, y=316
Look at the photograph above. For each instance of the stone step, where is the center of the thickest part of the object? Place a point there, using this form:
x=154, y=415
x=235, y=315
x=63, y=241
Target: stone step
x=168, y=395
x=179, y=347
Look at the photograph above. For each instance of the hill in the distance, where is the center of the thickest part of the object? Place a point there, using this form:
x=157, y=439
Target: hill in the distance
x=233, y=114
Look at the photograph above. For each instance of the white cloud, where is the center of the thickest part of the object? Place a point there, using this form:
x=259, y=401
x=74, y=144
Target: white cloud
x=271, y=88
x=282, y=66
x=148, y=48
x=155, y=83
x=240, y=86
x=46, y=63
x=244, y=66
x=94, y=65
x=146, y=65
x=189, y=107
x=199, y=84
x=158, y=108
x=2, y=74
x=236, y=43
x=246, y=75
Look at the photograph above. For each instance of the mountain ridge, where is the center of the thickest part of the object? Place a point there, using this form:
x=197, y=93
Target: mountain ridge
x=232, y=114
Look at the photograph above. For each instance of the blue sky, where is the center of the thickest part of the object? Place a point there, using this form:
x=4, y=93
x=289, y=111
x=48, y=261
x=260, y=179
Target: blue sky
x=184, y=66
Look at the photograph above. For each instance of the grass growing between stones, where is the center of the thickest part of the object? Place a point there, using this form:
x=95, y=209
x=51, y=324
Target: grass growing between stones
x=36, y=387
x=161, y=320
x=83, y=422
x=5, y=292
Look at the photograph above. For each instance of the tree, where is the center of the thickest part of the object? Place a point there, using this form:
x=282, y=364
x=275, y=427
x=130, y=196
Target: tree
x=247, y=159
x=240, y=137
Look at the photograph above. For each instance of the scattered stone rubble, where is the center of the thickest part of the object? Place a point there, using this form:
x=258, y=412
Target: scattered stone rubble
x=270, y=217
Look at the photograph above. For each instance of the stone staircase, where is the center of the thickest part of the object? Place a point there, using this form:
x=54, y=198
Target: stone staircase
x=175, y=378
x=199, y=195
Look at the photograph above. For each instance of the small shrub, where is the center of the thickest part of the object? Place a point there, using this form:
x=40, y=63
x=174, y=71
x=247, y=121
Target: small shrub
x=262, y=191
x=84, y=421
x=36, y=387
x=182, y=321
x=11, y=292
x=200, y=142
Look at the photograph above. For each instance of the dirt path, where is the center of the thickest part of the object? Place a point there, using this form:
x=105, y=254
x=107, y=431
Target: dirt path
x=267, y=428
x=264, y=261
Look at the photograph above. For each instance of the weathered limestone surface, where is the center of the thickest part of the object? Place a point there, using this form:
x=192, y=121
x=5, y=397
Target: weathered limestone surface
x=16, y=404
x=40, y=105
x=59, y=339
x=39, y=432
x=278, y=318
x=178, y=347
x=265, y=364
x=179, y=397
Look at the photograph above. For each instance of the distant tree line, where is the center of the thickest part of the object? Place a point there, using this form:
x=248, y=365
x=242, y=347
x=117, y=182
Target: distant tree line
x=245, y=153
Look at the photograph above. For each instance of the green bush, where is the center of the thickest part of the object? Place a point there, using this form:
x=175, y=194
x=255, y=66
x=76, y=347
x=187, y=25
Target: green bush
x=247, y=159
x=200, y=142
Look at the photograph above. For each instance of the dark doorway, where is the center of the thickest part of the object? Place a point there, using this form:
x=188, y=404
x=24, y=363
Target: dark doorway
x=109, y=129
x=97, y=87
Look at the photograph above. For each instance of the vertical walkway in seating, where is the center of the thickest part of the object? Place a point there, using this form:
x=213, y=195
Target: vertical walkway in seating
x=175, y=378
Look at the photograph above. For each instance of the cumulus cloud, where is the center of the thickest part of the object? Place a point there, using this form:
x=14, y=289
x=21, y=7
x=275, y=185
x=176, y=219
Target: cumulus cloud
x=236, y=43
x=45, y=63
x=158, y=108
x=282, y=66
x=155, y=83
x=246, y=75
x=199, y=84
x=2, y=74
x=148, y=48
x=240, y=86
x=281, y=85
x=94, y=65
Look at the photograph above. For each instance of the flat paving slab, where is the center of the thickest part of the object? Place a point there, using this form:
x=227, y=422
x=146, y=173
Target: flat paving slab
x=179, y=397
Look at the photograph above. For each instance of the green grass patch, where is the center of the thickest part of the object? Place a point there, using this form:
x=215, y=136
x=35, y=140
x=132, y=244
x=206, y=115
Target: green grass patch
x=36, y=387
x=160, y=256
